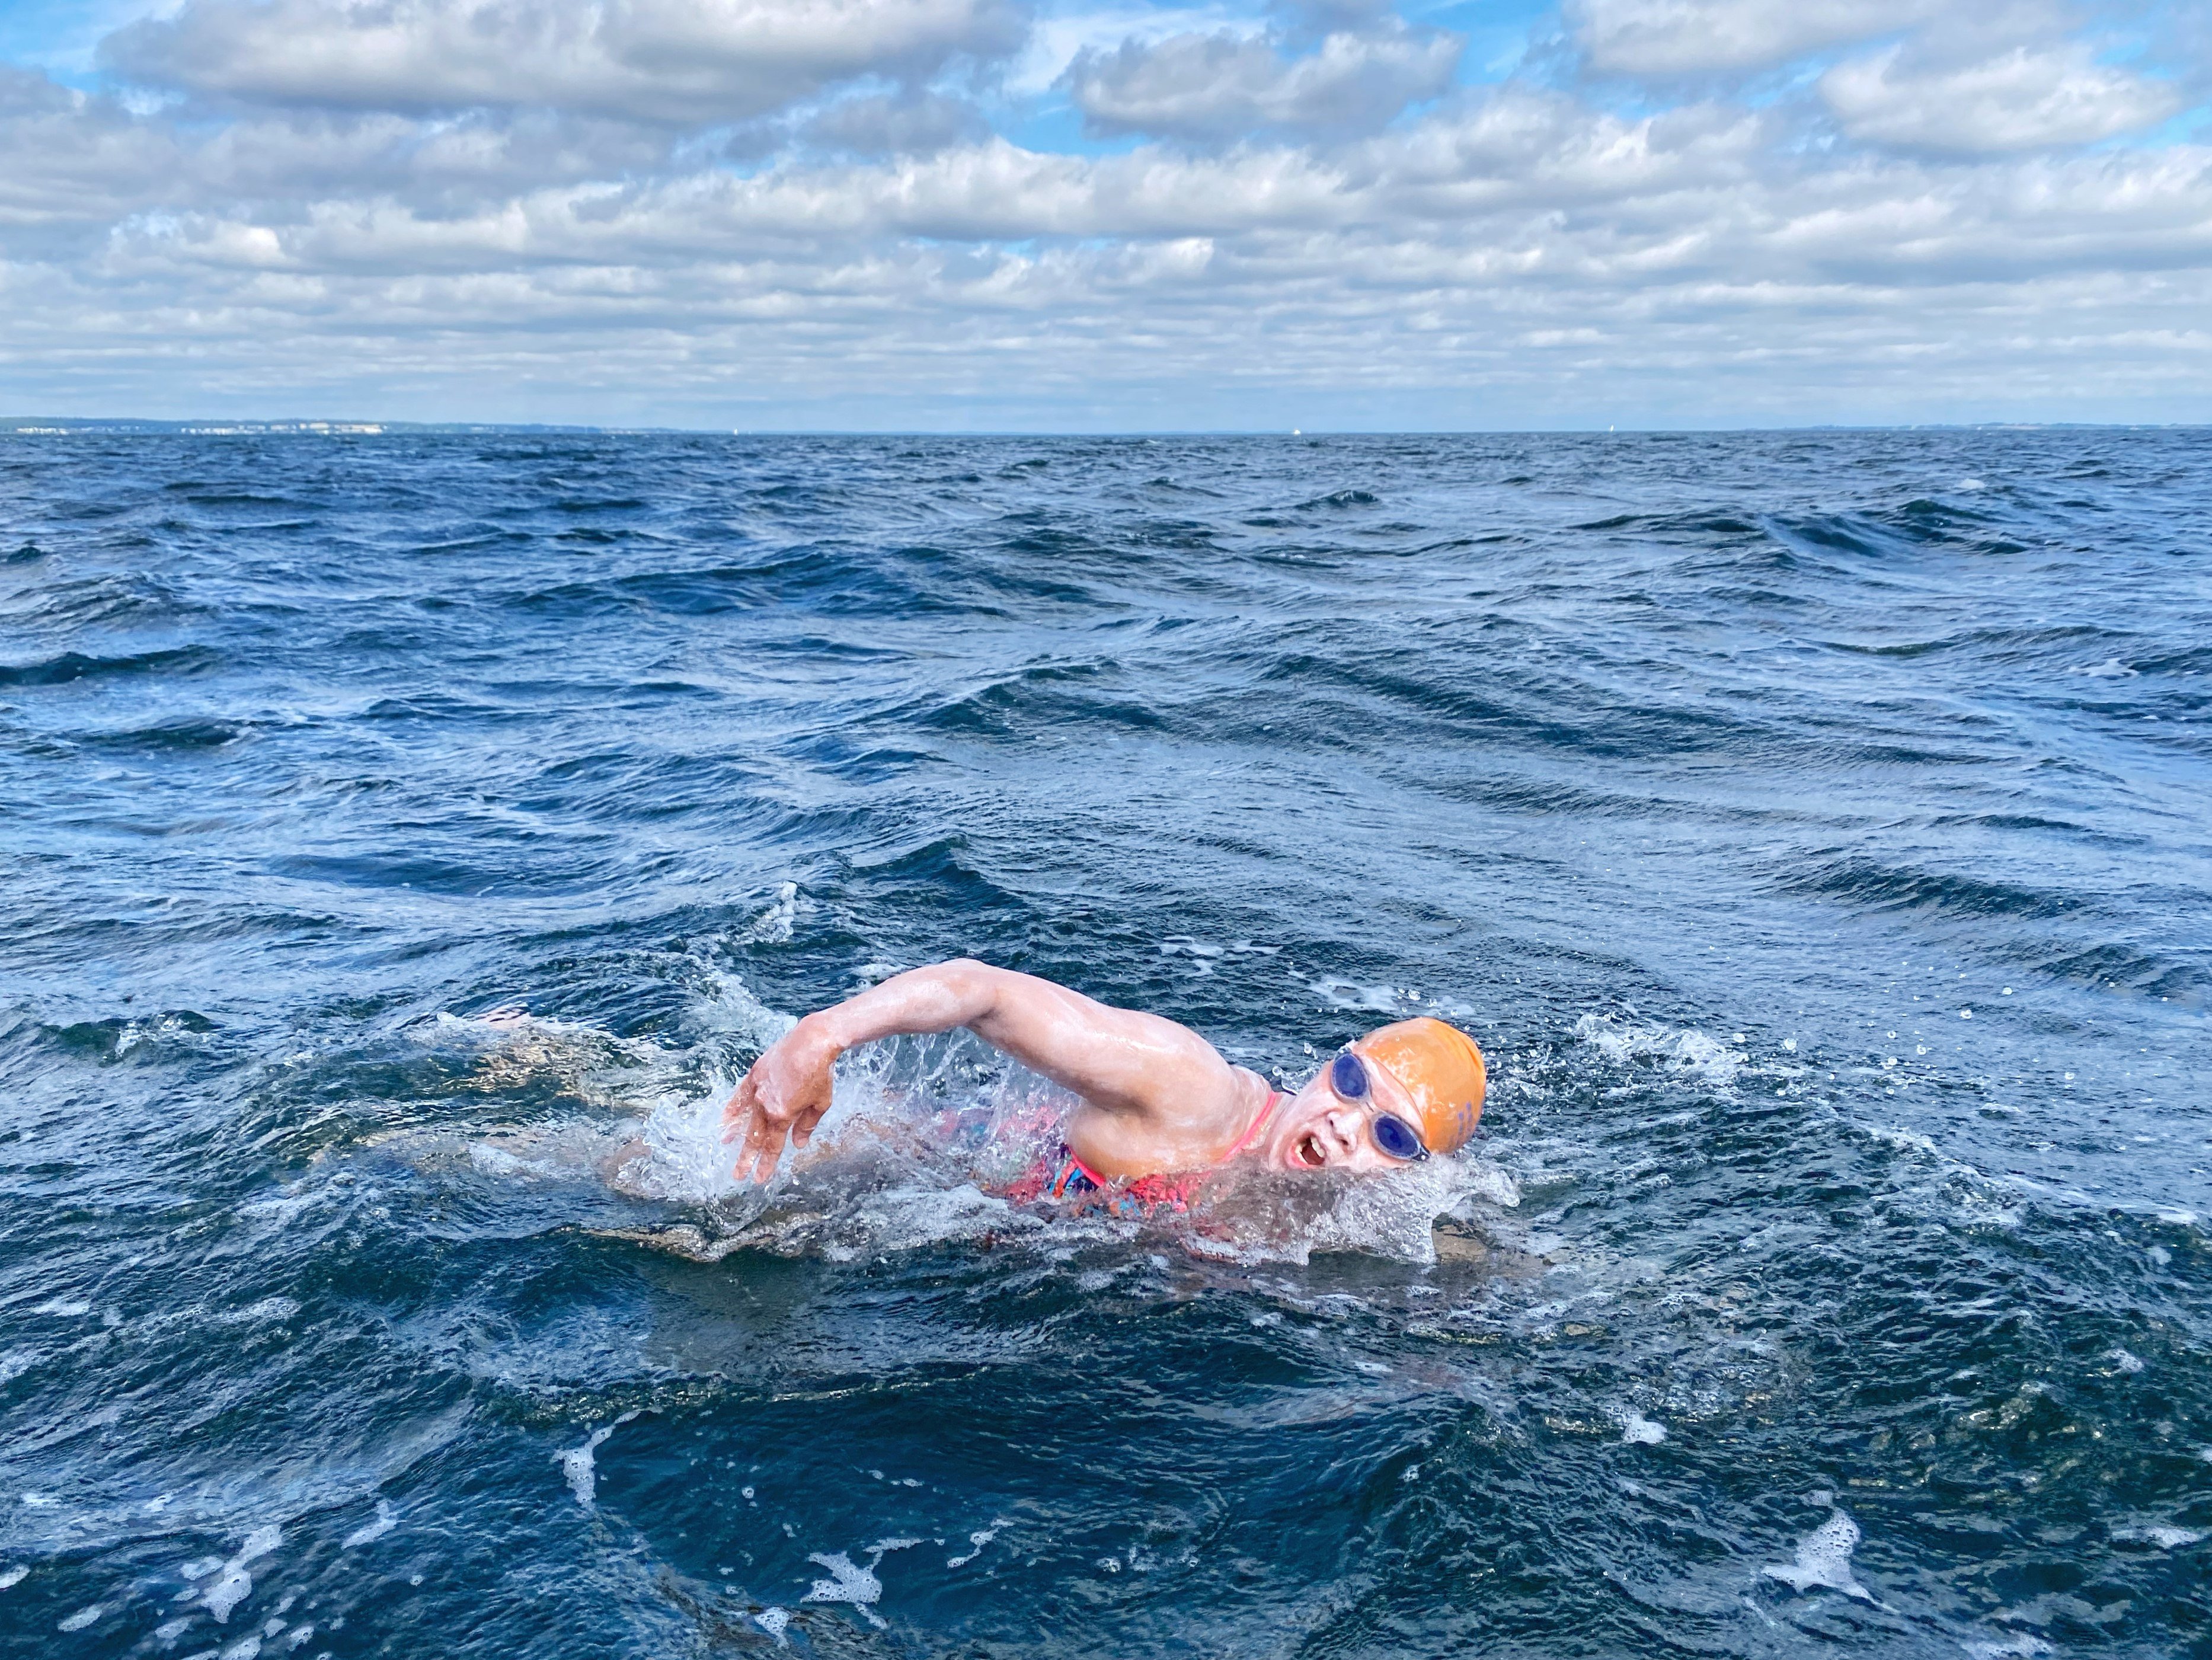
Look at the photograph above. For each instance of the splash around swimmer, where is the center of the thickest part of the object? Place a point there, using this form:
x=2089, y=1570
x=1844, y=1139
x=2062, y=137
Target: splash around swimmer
x=1156, y=1098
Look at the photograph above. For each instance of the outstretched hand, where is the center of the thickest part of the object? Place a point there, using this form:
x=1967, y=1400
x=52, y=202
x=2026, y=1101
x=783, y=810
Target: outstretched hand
x=782, y=1097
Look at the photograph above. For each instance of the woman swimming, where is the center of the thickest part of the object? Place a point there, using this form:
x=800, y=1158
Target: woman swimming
x=1157, y=1100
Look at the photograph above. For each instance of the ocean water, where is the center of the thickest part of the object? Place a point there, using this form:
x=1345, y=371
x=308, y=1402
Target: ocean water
x=407, y=839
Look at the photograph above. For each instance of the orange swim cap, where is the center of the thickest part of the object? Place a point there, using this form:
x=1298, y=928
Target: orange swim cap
x=1441, y=1068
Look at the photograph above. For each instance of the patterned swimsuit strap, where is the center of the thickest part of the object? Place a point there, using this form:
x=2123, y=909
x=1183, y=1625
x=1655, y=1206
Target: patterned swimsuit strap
x=1069, y=1167
x=1259, y=1123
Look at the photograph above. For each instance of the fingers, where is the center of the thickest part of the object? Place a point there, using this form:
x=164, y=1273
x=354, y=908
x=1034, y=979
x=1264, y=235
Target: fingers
x=739, y=1107
x=764, y=1171
x=743, y=1120
x=765, y=1123
x=802, y=1128
x=768, y=1107
x=763, y=1145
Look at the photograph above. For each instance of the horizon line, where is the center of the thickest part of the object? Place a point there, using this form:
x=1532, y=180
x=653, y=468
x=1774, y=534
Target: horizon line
x=367, y=427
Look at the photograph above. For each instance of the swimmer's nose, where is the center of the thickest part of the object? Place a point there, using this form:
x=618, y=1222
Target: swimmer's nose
x=1343, y=1130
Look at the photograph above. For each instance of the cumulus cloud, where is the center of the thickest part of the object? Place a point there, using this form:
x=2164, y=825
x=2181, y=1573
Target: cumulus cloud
x=903, y=124
x=688, y=61
x=378, y=219
x=1224, y=86
x=2028, y=98
x=1697, y=37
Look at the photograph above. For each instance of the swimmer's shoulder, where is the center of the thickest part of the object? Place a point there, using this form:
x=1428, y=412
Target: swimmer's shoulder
x=1208, y=1127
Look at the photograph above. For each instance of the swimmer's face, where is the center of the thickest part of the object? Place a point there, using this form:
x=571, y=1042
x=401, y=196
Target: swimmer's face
x=1319, y=1129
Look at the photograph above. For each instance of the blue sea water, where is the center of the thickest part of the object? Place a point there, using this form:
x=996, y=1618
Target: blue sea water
x=400, y=832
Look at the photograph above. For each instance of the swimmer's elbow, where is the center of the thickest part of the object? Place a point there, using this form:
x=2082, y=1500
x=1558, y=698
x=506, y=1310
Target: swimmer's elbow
x=974, y=986
x=966, y=978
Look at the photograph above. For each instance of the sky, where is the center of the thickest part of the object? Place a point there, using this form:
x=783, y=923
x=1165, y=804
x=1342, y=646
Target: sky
x=1050, y=216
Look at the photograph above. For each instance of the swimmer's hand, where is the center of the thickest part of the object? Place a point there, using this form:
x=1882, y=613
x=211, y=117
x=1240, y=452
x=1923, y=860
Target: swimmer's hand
x=781, y=1097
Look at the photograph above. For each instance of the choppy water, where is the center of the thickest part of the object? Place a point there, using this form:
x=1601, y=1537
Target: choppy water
x=1813, y=826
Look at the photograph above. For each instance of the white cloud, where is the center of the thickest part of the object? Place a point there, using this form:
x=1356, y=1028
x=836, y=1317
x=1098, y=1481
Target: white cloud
x=1225, y=85
x=909, y=123
x=683, y=61
x=2028, y=98
x=531, y=244
x=1697, y=37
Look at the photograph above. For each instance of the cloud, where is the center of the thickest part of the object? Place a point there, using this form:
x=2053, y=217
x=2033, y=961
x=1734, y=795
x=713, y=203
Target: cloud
x=71, y=164
x=1311, y=224
x=1225, y=85
x=1670, y=38
x=903, y=124
x=693, y=62
x=2028, y=98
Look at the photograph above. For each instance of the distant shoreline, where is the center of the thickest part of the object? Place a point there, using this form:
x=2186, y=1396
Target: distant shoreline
x=68, y=426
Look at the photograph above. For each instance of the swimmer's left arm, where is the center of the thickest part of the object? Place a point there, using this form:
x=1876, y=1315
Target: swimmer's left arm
x=1139, y=1068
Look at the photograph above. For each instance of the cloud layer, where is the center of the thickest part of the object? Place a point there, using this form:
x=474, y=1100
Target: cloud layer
x=892, y=212
x=679, y=62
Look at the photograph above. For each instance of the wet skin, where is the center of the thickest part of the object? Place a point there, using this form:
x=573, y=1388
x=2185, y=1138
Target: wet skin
x=1156, y=1095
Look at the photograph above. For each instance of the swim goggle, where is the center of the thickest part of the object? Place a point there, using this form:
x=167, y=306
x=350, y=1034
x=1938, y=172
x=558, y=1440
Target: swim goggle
x=1393, y=1137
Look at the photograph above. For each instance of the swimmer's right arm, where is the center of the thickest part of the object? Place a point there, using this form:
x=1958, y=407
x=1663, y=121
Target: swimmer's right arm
x=1126, y=1063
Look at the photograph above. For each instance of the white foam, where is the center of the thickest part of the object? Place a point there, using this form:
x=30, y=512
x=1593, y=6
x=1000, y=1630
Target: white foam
x=680, y=1154
x=1372, y=1000
x=67, y=1307
x=82, y=1618
x=2022, y=1647
x=773, y=1620
x=1272, y=1217
x=857, y=1585
x=11, y=1578
x=1681, y=1049
x=1637, y=1431
x=772, y=926
x=517, y=1046
x=369, y=1532
x=170, y=1630
x=2160, y=1533
x=245, y=1648
x=269, y=1308
x=2123, y=1361
x=233, y=1585
x=730, y=1008
x=582, y=1467
x=1824, y=1560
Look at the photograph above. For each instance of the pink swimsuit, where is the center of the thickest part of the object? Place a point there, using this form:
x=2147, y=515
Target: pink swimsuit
x=1064, y=1176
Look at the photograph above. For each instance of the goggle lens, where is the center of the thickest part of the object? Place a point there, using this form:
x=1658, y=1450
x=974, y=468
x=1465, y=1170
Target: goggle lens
x=1395, y=1137
x=1348, y=1078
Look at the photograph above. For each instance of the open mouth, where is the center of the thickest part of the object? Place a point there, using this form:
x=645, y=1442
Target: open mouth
x=1306, y=1152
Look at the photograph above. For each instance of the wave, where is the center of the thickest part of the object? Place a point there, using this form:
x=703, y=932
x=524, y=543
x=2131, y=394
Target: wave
x=1872, y=884
x=71, y=666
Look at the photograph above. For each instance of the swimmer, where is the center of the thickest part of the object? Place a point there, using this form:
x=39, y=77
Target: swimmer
x=1157, y=1100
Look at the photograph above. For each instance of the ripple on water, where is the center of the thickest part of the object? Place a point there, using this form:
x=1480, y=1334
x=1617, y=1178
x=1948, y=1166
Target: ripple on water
x=412, y=842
